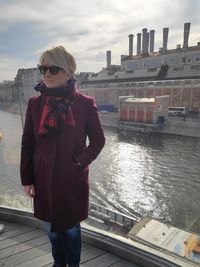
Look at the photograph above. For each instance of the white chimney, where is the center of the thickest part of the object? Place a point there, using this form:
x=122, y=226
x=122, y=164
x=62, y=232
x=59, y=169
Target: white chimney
x=186, y=34
x=165, y=38
x=152, y=34
x=108, y=58
x=139, y=44
x=131, y=44
x=144, y=41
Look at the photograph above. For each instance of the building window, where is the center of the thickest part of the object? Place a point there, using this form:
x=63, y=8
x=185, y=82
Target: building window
x=183, y=59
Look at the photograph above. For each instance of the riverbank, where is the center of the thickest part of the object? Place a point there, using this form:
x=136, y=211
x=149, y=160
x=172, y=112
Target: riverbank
x=10, y=107
x=190, y=127
x=109, y=119
x=173, y=125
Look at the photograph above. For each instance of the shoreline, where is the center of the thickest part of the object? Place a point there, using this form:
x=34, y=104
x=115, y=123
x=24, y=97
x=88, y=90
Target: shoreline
x=12, y=108
x=173, y=125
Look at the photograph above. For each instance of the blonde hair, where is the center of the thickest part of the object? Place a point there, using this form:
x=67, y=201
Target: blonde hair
x=60, y=57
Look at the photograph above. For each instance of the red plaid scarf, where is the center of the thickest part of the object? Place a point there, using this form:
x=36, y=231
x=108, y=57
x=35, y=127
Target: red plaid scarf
x=57, y=107
x=56, y=111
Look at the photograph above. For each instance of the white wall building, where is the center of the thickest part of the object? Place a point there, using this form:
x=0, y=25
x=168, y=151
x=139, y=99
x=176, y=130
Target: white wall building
x=6, y=91
x=26, y=80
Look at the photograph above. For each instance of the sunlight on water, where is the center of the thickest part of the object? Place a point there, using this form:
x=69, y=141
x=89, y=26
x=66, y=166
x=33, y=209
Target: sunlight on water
x=18, y=201
x=156, y=176
x=11, y=191
x=11, y=131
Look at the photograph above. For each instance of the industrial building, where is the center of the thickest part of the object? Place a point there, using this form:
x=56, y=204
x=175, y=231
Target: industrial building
x=182, y=93
x=143, y=110
x=148, y=73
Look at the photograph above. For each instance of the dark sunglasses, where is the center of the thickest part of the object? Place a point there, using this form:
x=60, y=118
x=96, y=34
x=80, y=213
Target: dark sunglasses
x=52, y=69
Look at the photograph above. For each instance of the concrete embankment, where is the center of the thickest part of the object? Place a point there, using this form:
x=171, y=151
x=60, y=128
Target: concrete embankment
x=174, y=125
x=178, y=127
x=12, y=107
x=109, y=119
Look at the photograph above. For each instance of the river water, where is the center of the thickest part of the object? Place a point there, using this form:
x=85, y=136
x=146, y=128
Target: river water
x=144, y=175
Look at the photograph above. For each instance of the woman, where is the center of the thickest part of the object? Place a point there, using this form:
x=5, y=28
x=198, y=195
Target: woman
x=55, y=157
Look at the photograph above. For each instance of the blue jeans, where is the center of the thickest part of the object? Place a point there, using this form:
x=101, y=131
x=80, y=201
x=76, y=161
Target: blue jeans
x=66, y=245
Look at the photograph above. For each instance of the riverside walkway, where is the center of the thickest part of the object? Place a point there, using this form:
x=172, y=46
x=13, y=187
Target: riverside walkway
x=25, y=246
x=24, y=243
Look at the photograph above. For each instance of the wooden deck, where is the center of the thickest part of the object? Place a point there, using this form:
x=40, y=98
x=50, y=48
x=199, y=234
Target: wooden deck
x=25, y=246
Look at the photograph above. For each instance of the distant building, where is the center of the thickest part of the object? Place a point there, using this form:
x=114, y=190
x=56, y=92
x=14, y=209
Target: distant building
x=81, y=77
x=149, y=73
x=144, y=110
x=26, y=80
x=7, y=91
x=24, y=83
x=183, y=93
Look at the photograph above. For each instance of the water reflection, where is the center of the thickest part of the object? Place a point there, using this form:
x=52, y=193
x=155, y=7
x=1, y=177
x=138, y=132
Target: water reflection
x=155, y=176
x=11, y=193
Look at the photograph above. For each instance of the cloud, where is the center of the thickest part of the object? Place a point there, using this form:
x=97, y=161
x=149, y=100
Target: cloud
x=10, y=65
x=88, y=28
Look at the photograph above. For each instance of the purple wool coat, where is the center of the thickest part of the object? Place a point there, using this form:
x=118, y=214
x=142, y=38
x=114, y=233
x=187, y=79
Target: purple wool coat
x=62, y=189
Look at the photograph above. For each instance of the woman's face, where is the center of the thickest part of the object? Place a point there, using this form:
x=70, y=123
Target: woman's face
x=55, y=80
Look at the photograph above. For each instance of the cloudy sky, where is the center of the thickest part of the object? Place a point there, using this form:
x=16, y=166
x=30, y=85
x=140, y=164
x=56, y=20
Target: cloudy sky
x=87, y=28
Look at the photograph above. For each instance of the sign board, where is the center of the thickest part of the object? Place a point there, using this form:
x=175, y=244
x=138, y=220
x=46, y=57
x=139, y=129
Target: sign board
x=165, y=237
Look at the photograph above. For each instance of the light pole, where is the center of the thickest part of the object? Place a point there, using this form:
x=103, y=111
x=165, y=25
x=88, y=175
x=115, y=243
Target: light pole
x=2, y=226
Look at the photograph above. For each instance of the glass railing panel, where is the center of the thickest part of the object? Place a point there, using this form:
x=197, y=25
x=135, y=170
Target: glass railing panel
x=135, y=176
x=153, y=176
x=11, y=191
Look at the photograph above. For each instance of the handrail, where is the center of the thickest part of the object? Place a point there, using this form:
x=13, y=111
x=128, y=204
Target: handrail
x=112, y=216
x=20, y=106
